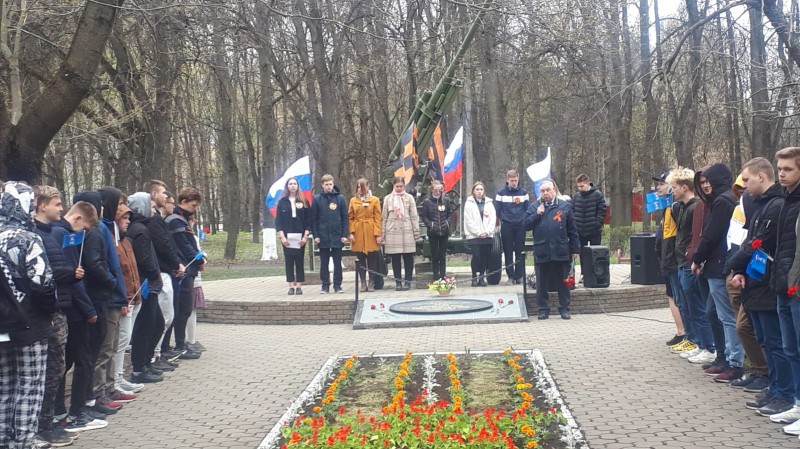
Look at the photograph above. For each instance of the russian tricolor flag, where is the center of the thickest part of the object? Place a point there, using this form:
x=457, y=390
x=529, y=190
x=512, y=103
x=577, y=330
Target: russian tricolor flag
x=300, y=170
x=453, y=161
x=539, y=172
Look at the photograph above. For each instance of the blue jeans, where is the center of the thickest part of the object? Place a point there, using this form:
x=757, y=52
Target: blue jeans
x=789, y=316
x=697, y=319
x=767, y=326
x=733, y=347
x=680, y=301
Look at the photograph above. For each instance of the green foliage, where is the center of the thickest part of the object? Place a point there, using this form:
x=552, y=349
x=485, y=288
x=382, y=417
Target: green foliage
x=619, y=237
x=246, y=250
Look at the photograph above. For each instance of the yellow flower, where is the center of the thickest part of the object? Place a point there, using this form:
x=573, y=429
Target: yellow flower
x=507, y=351
x=532, y=444
x=317, y=408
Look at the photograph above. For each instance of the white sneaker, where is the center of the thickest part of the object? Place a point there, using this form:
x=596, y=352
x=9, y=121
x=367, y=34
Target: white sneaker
x=704, y=356
x=789, y=416
x=123, y=385
x=792, y=429
x=691, y=353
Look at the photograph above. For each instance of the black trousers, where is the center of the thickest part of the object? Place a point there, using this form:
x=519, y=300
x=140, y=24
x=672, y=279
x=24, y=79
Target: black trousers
x=407, y=259
x=293, y=261
x=438, y=255
x=325, y=255
x=480, y=258
x=593, y=239
x=184, y=305
x=147, y=330
x=369, y=260
x=78, y=353
x=513, y=237
x=551, y=275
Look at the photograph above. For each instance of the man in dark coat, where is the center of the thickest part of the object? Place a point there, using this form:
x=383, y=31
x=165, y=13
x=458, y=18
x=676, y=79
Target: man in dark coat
x=709, y=261
x=758, y=296
x=555, y=245
x=435, y=214
x=27, y=302
x=329, y=223
x=589, y=205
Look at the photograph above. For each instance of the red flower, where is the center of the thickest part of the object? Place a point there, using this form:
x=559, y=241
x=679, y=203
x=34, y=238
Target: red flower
x=207, y=230
x=511, y=301
x=382, y=306
x=499, y=300
x=755, y=244
x=792, y=290
x=372, y=307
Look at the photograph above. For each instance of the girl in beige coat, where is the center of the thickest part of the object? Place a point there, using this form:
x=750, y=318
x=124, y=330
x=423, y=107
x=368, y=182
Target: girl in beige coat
x=400, y=230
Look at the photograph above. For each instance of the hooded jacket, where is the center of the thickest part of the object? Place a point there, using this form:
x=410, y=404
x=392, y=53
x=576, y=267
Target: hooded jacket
x=329, y=220
x=139, y=236
x=183, y=237
x=127, y=260
x=512, y=205
x=590, y=211
x=435, y=214
x=162, y=242
x=81, y=306
x=712, y=248
x=762, y=223
x=27, y=296
x=99, y=281
x=110, y=197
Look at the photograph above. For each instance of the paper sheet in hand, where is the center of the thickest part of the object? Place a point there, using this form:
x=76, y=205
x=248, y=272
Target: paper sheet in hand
x=294, y=239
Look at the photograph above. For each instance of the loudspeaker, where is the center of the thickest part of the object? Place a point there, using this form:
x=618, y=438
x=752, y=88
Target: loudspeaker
x=645, y=269
x=595, y=267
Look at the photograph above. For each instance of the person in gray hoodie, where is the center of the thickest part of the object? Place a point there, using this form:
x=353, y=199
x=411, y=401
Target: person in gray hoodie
x=149, y=324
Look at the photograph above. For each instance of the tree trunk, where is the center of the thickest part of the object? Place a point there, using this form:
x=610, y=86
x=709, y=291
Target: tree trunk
x=760, y=135
x=22, y=149
x=652, y=138
x=225, y=139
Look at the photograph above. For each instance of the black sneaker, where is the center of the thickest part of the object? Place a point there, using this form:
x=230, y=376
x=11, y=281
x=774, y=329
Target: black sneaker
x=171, y=355
x=716, y=362
x=146, y=377
x=338, y=290
x=324, y=291
x=83, y=422
x=291, y=291
x=759, y=401
x=93, y=414
x=565, y=316
x=163, y=365
x=474, y=283
x=56, y=437
x=196, y=347
x=98, y=407
x=759, y=384
x=775, y=406
x=190, y=355
x=544, y=315
x=155, y=371
x=297, y=291
x=675, y=340
x=743, y=382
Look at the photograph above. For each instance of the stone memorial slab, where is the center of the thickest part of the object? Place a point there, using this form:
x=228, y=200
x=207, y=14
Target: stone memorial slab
x=432, y=310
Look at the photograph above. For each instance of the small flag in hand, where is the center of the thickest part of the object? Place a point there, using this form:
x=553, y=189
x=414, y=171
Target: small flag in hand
x=72, y=239
x=145, y=288
x=199, y=255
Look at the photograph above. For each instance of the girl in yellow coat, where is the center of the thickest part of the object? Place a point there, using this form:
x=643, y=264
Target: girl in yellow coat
x=365, y=232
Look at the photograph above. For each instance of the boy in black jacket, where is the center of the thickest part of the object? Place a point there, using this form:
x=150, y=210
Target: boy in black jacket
x=48, y=210
x=81, y=316
x=709, y=261
x=189, y=200
x=27, y=301
x=149, y=325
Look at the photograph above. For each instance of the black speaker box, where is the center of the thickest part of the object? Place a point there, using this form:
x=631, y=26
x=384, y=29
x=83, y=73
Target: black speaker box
x=645, y=269
x=595, y=267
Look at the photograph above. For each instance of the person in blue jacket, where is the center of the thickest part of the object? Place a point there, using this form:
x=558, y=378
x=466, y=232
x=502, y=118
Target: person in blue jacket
x=331, y=229
x=511, y=203
x=555, y=245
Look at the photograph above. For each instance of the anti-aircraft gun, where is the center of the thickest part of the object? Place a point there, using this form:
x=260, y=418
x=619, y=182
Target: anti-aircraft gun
x=427, y=114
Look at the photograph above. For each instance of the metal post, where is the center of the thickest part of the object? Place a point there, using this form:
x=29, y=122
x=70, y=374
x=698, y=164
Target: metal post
x=355, y=304
x=524, y=277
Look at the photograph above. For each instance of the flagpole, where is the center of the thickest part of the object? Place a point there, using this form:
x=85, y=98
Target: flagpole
x=83, y=239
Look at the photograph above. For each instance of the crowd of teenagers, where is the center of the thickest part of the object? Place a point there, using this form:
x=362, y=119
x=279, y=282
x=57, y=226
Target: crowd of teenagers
x=730, y=255
x=560, y=225
x=80, y=288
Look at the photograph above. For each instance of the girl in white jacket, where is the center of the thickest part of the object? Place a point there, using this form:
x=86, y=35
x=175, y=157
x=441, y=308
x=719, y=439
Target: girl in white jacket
x=480, y=220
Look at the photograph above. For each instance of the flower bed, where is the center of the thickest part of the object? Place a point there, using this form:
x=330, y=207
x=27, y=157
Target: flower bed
x=476, y=400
